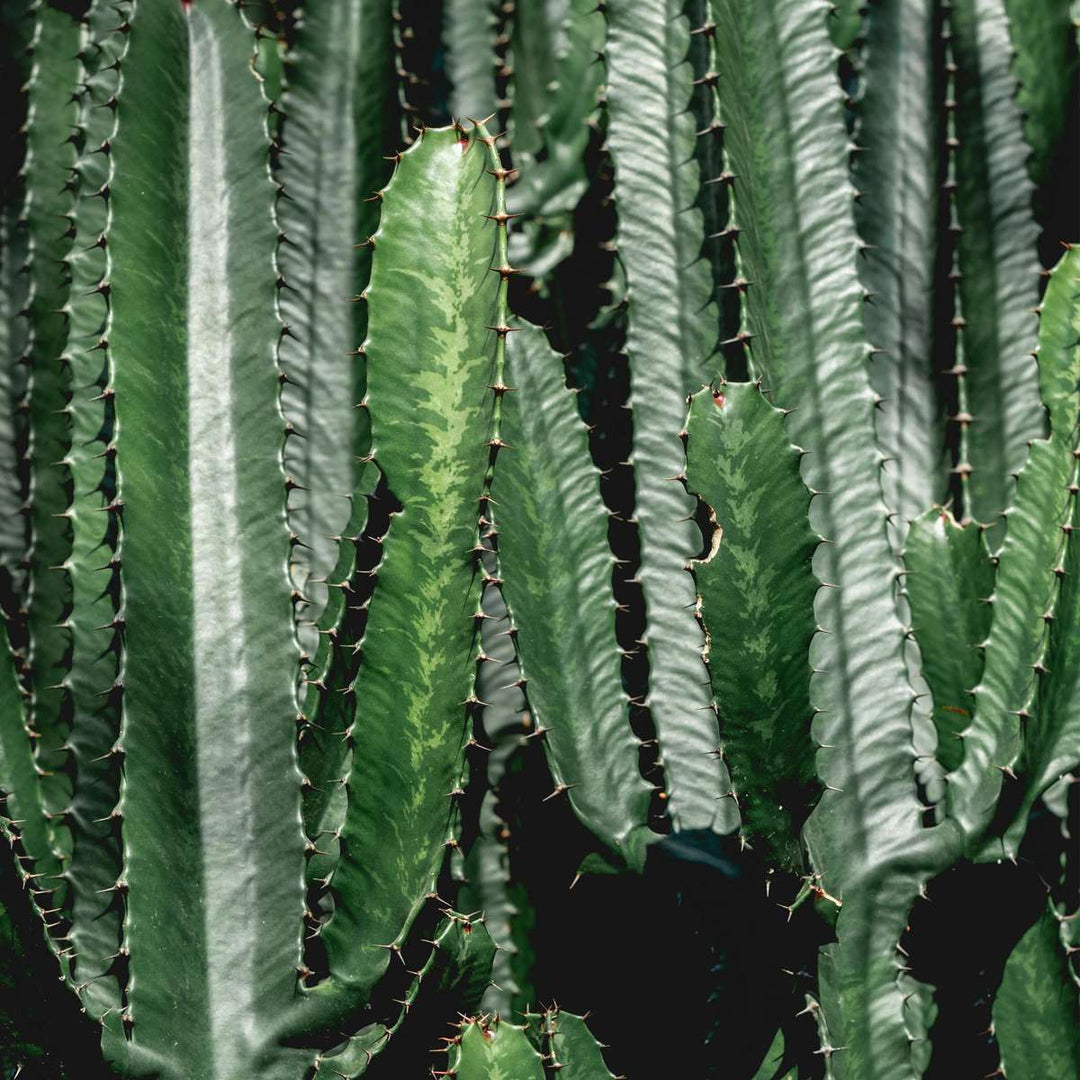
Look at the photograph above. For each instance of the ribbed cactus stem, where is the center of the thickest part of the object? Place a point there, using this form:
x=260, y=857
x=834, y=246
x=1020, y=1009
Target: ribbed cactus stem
x=500, y=326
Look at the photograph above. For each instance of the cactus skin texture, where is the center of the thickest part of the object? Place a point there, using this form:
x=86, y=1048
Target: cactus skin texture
x=1035, y=1010
x=359, y=698
x=489, y=1047
x=757, y=593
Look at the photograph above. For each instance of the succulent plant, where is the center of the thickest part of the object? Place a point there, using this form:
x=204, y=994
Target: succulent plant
x=636, y=549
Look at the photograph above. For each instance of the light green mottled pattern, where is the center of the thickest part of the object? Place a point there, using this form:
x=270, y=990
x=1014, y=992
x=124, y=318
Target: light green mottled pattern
x=949, y=582
x=671, y=337
x=429, y=359
x=757, y=600
x=556, y=565
x=1035, y=1010
x=96, y=644
x=788, y=152
x=997, y=258
x=211, y=793
x=494, y=1051
x=336, y=103
x=1028, y=587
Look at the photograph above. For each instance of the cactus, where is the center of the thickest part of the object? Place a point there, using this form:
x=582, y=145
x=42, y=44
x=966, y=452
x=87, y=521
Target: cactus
x=638, y=550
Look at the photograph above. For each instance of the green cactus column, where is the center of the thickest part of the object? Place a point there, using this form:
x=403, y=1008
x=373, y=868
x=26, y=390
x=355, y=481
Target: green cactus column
x=211, y=793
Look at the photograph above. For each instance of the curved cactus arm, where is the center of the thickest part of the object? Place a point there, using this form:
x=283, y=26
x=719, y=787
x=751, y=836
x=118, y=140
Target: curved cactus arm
x=487, y=1048
x=898, y=172
x=547, y=500
x=949, y=583
x=211, y=793
x=337, y=100
x=787, y=148
x=1035, y=1007
x=451, y=981
x=875, y=1023
x=671, y=337
x=999, y=286
x=50, y=154
x=1029, y=581
x=1042, y=34
x=757, y=602
x=1051, y=736
x=95, y=621
x=1026, y=592
x=438, y=283
x=569, y=1048
x=468, y=34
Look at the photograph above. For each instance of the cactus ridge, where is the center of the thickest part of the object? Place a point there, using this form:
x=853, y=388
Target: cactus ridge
x=564, y=621
x=1030, y=586
x=97, y=616
x=669, y=345
x=997, y=260
x=51, y=114
x=333, y=162
x=757, y=606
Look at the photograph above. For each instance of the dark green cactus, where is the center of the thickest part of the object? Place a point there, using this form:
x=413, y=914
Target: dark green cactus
x=627, y=561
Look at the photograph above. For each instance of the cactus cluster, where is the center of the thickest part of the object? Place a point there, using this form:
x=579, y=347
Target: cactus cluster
x=613, y=473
